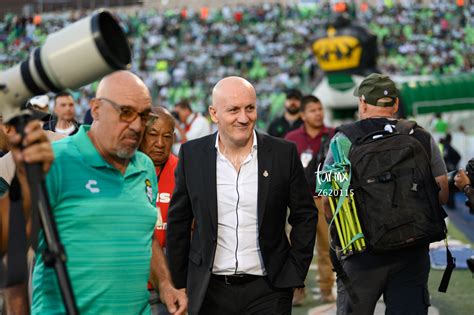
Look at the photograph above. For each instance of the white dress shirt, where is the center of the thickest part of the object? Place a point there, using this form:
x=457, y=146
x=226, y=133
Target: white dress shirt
x=238, y=250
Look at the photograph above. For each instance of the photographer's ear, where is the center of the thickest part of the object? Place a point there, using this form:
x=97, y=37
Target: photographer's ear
x=95, y=105
x=8, y=129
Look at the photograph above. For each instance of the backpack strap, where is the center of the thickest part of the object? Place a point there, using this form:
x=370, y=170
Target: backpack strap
x=341, y=274
x=351, y=131
x=405, y=126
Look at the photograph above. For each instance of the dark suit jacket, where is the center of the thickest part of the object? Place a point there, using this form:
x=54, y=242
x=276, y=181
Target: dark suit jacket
x=191, y=257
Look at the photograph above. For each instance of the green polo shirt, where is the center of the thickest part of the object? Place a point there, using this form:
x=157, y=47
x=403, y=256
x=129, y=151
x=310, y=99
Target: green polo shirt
x=105, y=221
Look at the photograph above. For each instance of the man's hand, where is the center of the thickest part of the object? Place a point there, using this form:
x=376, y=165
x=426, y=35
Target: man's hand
x=461, y=180
x=36, y=147
x=33, y=148
x=175, y=300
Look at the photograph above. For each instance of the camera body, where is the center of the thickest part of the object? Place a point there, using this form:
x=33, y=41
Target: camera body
x=469, y=170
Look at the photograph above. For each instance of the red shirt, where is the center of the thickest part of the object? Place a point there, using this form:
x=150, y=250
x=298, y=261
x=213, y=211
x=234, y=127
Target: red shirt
x=165, y=190
x=304, y=142
x=165, y=178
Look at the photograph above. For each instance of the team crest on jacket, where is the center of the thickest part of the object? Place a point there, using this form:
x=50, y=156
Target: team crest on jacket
x=149, y=190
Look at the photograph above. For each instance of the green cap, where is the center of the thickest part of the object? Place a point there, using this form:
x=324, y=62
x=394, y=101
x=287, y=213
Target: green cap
x=375, y=87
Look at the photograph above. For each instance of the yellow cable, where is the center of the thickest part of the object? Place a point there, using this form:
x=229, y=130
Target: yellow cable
x=336, y=221
x=354, y=208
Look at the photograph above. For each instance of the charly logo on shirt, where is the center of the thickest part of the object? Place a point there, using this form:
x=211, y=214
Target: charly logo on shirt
x=149, y=190
x=91, y=185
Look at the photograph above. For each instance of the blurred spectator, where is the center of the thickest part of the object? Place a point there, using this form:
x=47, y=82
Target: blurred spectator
x=451, y=159
x=450, y=155
x=291, y=119
x=439, y=125
x=191, y=125
x=182, y=56
x=64, y=122
x=88, y=118
x=312, y=142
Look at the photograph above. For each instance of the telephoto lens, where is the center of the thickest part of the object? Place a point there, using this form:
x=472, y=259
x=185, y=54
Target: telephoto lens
x=73, y=57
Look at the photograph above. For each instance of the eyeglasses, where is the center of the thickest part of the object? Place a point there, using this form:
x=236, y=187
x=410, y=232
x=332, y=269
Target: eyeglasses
x=128, y=113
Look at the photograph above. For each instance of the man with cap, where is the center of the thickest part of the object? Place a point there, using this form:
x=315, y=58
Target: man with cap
x=401, y=275
x=291, y=119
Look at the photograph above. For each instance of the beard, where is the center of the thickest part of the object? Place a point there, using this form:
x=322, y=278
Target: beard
x=292, y=110
x=126, y=153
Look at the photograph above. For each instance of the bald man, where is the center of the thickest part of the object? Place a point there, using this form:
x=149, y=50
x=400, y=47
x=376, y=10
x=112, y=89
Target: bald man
x=102, y=194
x=237, y=185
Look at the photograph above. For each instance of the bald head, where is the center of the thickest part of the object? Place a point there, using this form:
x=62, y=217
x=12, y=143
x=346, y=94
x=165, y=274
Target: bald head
x=234, y=111
x=120, y=111
x=122, y=82
x=162, y=114
x=232, y=87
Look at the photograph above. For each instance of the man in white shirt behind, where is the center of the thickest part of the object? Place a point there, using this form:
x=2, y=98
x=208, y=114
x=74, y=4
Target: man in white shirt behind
x=191, y=125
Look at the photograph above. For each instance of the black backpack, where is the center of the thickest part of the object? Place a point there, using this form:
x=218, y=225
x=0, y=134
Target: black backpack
x=395, y=192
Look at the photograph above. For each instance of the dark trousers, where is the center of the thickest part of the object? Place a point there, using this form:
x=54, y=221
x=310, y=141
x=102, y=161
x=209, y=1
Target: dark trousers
x=401, y=277
x=256, y=297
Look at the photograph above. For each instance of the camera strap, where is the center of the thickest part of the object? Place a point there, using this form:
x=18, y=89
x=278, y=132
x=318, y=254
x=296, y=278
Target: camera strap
x=17, y=271
x=451, y=264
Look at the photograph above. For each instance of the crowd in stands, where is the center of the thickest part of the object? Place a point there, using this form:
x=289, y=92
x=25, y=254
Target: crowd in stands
x=181, y=54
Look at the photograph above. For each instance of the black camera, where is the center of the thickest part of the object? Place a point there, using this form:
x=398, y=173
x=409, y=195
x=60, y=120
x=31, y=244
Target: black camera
x=469, y=170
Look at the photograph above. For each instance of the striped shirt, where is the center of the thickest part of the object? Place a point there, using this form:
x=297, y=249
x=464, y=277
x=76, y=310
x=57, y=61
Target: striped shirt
x=105, y=221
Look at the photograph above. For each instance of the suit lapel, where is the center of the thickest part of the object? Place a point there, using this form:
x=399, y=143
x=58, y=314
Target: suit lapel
x=265, y=161
x=209, y=176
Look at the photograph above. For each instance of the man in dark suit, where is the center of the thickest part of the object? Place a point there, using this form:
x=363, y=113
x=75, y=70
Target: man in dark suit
x=237, y=185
